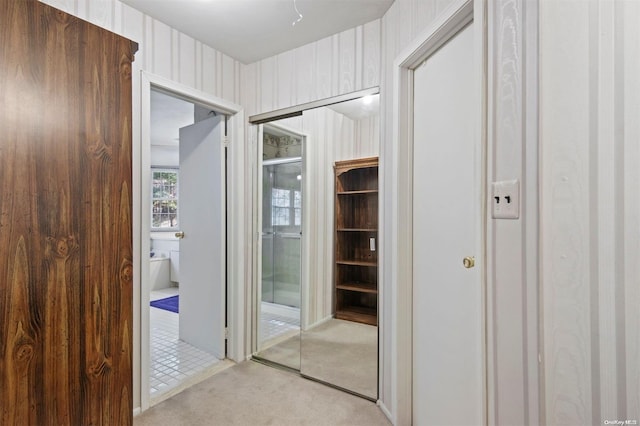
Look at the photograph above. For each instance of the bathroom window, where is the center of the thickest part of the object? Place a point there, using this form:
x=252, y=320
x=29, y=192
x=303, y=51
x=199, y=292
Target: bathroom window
x=164, y=201
x=297, y=208
x=286, y=207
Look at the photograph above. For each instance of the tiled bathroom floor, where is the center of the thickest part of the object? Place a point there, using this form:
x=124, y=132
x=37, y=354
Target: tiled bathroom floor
x=172, y=360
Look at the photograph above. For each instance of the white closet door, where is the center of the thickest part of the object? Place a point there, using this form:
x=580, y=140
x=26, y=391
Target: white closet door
x=447, y=297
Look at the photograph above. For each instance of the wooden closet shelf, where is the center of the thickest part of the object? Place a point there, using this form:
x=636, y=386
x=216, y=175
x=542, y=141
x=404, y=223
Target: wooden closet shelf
x=361, y=191
x=359, y=287
x=356, y=219
x=356, y=263
x=358, y=314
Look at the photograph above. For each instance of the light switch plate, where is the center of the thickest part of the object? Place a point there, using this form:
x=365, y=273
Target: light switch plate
x=505, y=199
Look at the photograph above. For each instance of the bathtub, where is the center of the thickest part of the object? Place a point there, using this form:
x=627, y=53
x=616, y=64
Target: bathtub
x=160, y=267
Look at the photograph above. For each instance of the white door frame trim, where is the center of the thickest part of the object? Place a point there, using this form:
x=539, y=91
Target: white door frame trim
x=236, y=251
x=450, y=21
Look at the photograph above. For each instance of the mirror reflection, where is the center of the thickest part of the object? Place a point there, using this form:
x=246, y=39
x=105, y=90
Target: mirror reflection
x=326, y=187
x=281, y=228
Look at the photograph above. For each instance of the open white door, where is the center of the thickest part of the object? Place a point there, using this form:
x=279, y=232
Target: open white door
x=447, y=212
x=202, y=248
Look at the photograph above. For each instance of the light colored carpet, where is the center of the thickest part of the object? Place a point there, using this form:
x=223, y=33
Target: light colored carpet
x=254, y=394
x=285, y=353
x=343, y=353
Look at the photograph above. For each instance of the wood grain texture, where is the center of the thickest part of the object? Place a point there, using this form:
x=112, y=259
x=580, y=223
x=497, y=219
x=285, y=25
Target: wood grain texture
x=65, y=219
x=355, y=269
x=163, y=50
x=589, y=219
x=512, y=263
x=629, y=126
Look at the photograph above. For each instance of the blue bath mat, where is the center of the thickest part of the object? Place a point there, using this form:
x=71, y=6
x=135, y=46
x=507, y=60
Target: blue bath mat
x=168, y=304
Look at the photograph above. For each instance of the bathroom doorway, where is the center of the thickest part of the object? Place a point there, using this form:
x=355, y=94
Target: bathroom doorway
x=183, y=291
x=182, y=295
x=222, y=317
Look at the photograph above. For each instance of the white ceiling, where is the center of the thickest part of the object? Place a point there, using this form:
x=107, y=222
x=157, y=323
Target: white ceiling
x=250, y=30
x=168, y=115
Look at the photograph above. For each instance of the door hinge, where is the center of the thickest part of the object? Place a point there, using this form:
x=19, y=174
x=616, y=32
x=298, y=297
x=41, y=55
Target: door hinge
x=226, y=332
x=226, y=141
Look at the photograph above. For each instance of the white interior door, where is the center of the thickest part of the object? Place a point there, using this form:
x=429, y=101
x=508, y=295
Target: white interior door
x=447, y=303
x=202, y=249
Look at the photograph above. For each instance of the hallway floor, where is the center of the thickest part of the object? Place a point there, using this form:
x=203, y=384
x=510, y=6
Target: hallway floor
x=253, y=394
x=172, y=360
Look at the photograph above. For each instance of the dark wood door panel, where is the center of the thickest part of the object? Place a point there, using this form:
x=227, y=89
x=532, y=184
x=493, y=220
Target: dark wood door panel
x=65, y=219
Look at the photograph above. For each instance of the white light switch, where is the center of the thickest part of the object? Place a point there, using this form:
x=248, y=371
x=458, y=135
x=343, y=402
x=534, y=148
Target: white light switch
x=505, y=199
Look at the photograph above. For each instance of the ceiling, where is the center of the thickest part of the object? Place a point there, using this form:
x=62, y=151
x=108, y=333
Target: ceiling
x=250, y=30
x=168, y=115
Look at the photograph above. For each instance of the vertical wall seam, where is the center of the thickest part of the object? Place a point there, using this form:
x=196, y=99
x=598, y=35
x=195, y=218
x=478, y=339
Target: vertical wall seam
x=619, y=181
x=151, y=52
x=492, y=175
x=524, y=222
x=594, y=53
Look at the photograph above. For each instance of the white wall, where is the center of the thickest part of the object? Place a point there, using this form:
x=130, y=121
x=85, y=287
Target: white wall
x=590, y=216
x=165, y=156
x=342, y=63
x=512, y=246
x=168, y=53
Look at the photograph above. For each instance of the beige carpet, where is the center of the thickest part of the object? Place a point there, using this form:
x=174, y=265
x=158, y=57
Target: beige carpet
x=286, y=353
x=343, y=353
x=254, y=394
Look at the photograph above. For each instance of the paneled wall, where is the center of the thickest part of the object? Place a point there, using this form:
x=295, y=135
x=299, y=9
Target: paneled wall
x=342, y=63
x=512, y=245
x=590, y=216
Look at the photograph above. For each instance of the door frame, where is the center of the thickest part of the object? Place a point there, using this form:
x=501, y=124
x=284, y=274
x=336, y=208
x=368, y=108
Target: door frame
x=450, y=21
x=235, y=224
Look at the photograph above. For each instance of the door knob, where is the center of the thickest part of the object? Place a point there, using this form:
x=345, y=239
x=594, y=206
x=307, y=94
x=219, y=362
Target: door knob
x=180, y=234
x=469, y=262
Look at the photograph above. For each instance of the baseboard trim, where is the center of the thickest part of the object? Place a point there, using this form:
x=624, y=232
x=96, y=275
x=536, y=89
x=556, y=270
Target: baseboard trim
x=385, y=410
x=137, y=411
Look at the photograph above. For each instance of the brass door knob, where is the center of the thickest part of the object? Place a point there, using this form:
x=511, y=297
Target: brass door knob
x=180, y=234
x=469, y=262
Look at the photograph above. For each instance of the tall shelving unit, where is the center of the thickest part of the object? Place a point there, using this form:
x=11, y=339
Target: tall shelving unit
x=356, y=240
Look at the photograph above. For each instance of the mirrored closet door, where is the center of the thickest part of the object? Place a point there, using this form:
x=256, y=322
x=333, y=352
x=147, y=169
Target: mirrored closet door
x=322, y=242
x=280, y=204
